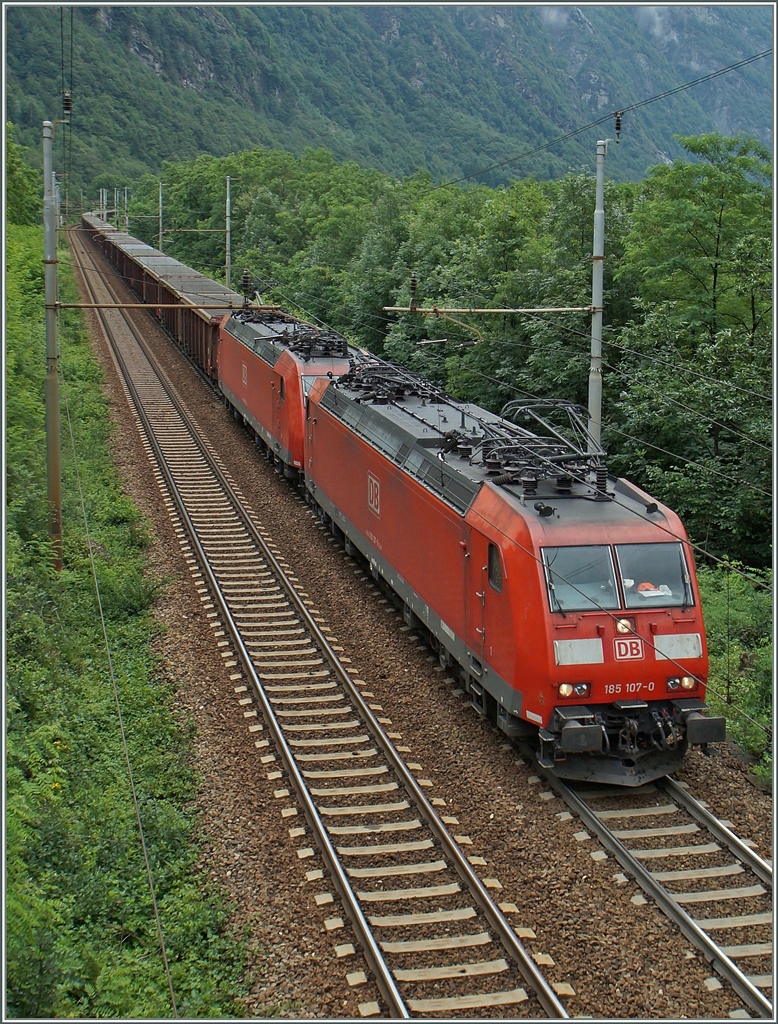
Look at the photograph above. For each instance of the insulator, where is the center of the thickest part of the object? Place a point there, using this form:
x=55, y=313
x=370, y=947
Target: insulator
x=67, y=104
x=617, y=126
x=414, y=285
x=601, y=483
x=504, y=478
x=246, y=281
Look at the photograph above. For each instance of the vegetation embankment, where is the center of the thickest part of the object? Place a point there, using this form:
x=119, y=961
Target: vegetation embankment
x=81, y=938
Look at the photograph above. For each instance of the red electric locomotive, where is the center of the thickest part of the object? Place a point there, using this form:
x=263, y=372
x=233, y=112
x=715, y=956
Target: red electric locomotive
x=566, y=598
x=266, y=363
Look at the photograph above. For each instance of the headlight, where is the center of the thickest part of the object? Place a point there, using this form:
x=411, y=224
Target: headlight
x=688, y=682
x=625, y=625
x=674, y=683
x=574, y=689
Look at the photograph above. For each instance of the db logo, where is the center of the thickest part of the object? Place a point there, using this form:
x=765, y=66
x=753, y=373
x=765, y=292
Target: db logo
x=628, y=650
x=373, y=495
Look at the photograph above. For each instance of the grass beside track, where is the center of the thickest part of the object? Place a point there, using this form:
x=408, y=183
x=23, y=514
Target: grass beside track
x=81, y=938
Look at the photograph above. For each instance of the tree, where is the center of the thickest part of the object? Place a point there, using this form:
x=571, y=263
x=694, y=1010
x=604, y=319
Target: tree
x=696, y=225
x=690, y=375
x=22, y=184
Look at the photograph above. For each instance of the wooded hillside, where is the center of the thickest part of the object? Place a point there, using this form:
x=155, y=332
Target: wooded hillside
x=450, y=89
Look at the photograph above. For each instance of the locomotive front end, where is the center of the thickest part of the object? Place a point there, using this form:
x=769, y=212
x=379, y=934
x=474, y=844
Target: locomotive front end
x=628, y=656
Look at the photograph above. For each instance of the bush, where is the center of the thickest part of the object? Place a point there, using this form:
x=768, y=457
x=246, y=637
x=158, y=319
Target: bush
x=738, y=621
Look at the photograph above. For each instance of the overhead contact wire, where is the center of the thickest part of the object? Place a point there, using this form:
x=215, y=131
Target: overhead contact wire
x=691, y=462
x=675, y=366
x=650, y=355
x=687, y=408
x=512, y=387
x=696, y=547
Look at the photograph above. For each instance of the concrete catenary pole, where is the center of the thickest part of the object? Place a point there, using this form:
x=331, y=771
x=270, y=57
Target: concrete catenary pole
x=598, y=254
x=52, y=380
x=228, y=242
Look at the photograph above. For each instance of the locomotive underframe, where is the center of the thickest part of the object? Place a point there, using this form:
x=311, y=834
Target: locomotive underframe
x=627, y=742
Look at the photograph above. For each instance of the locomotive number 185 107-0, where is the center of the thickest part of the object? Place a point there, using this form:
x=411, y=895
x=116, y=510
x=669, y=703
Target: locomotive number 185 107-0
x=611, y=688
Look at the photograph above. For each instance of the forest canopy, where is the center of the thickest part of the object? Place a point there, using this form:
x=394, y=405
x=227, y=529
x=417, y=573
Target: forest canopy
x=688, y=303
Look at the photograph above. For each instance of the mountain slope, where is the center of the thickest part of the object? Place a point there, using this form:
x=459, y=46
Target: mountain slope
x=454, y=89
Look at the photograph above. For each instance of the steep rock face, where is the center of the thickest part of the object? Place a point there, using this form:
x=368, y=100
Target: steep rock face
x=142, y=46
x=602, y=58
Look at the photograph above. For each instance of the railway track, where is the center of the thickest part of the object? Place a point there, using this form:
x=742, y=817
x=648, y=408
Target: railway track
x=710, y=883
x=434, y=940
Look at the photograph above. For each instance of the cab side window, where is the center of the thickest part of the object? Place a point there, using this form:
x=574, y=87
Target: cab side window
x=495, y=568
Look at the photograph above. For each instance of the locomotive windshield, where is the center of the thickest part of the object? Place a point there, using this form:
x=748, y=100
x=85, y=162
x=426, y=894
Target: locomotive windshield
x=580, y=579
x=654, y=575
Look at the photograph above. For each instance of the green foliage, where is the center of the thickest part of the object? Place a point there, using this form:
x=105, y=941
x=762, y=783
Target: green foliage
x=452, y=89
x=695, y=225
x=22, y=184
x=690, y=413
x=81, y=940
x=738, y=620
